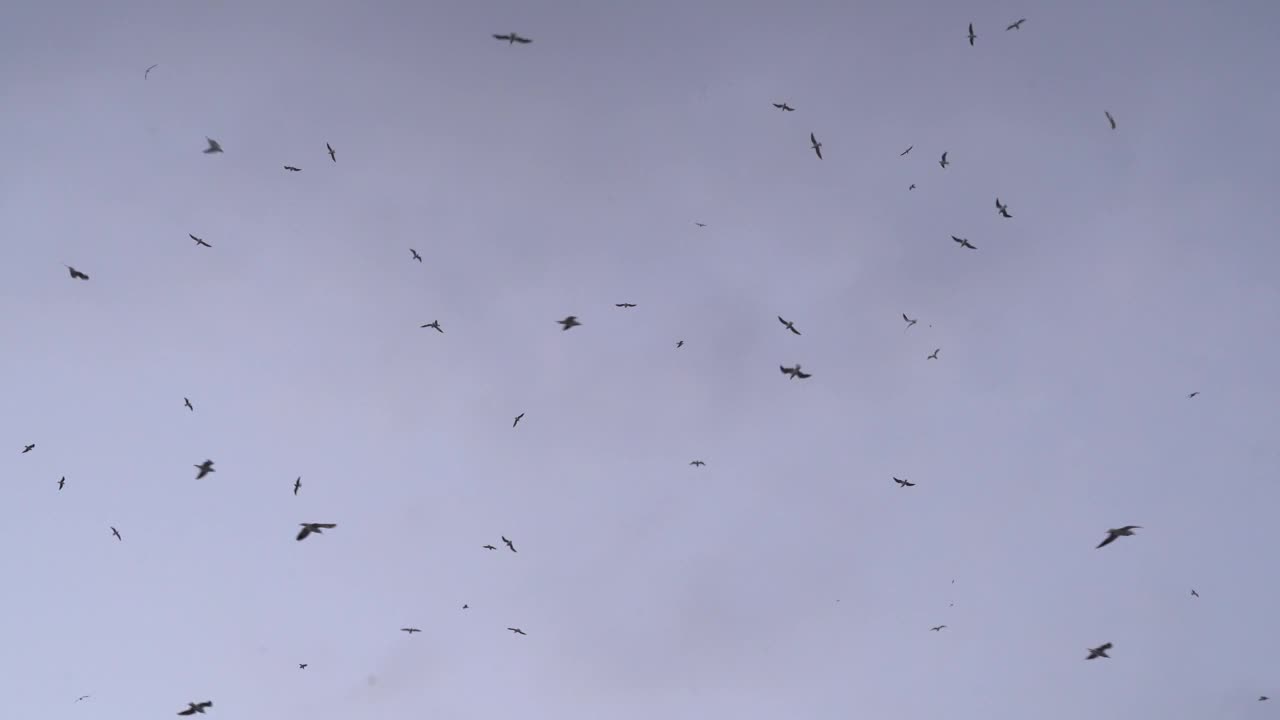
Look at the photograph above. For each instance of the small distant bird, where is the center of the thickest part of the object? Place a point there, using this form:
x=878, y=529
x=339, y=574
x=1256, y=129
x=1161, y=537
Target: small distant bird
x=333, y=155
x=1114, y=533
x=205, y=468
x=699, y=224
x=697, y=463
x=624, y=305
x=1193, y=394
x=410, y=630
x=28, y=449
x=679, y=344
x=1110, y=119
x=193, y=708
x=302, y=666
x=910, y=322
x=571, y=321
x=817, y=146
x=1016, y=26
x=1194, y=593
x=964, y=242
x=943, y=162
x=76, y=274
x=297, y=485
x=972, y=37
x=517, y=631
x=934, y=354
x=416, y=256
x=1002, y=209
x=148, y=70
x=904, y=152
x=1263, y=698
x=517, y=420
x=214, y=147
x=117, y=534
x=508, y=543
x=187, y=402
x=82, y=697
x=1100, y=651
x=904, y=483
x=199, y=241
x=291, y=168
x=788, y=325
x=62, y=481
x=913, y=186
x=937, y=628
x=490, y=547
x=465, y=606
x=794, y=372
x=317, y=528
x=512, y=39
x=434, y=324
x=784, y=107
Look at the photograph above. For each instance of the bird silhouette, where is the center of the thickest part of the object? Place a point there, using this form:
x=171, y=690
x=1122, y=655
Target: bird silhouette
x=569, y=322
x=147, y=72
x=489, y=547
x=794, y=372
x=28, y=449
x=1193, y=394
x=1115, y=533
x=972, y=37
x=434, y=324
x=416, y=256
x=964, y=243
x=62, y=481
x=517, y=631
x=679, y=344
x=1110, y=119
x=944, y=162
x=508, y=543
x=193, y=708
x=1002, y=209
x=317, y=528
x=333, y=155
x=904, y=152
x=910, y=322
x=937, y=628
x=1263, y=698
x=214, y=147
x=697, y=463
x=934, y=354
x=302, y=666
x=76, y=274
x=817, y=146
x=912, y=187
x=699, y=224
x=199, y=242
x=116, y=533
x=1100, y=651
x=624, y=305
x=187, y=403
x=784, y=107
x=517, y=420
x=297, y=485
x=904, y=483
x=1016, y=26
x=1194, y=593
x=204, y=468
x=410, y=630
x=512, y=39
x=83, y=697
x=788, y=325
x=291, y=168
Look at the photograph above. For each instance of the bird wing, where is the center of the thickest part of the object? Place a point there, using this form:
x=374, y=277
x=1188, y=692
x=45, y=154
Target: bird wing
x=524, y=41
x=188, y=711
x=304, y=532
x=1110, y=119
x=501, y=37
x=1110, y=539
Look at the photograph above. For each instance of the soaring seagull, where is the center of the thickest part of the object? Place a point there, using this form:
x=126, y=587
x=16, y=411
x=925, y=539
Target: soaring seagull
x=788, y=325
x=697, y=463
x=571, y=321
x=1100, y=651
x=291, y=168
x=187, y=403
x=513, y=38
x=624, y=305
x=76, y=274
x=333, y=155
x=972, y=37
x=116, y=533
x=904, y=152
x=193, y=708
x=817, y=146
x=964, y=242
x=62, y=481
x=214, y=147
x=517, y=420
x=934, y=354
x=415, y=254
x=148, y=70
x=910, y=322
x=1002, y=209
x=1016, y=26
x=937, y=628
x=199, y=241
x=489, y=547
x=1193, y=394
x=794, y=372
x=1114, y=533
x=1194, y=593
x=434, y=324
x=410, y=630
x=297, y=485
x=317, y=528
x=28, y=449
x=943, y=162
x=517, y=631
x=784, y=107
x=1110, y=119
x=204, y=468
x=904, y=482
x=508, y=543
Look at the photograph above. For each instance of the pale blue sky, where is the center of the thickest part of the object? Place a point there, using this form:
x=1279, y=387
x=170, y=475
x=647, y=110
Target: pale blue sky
x=789, y=577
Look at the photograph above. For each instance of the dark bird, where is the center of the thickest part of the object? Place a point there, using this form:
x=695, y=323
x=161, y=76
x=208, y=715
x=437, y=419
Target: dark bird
x=934, y=355
x=214, y=147
x=518, y=631
x=28, y=449
x=904, y=483
x=794, y=372
x=943, y=162
x=193, y=708
x=1100, y=651
x=904, y=152
x=333, y=155
x=817, y=146
x=302, y=666
x=199, y=242
x=148, y=70
x=571, y=321
x=205, y=468
x=76, y=274
x=465, y=606
x=508, y=543
x=117, y=534
x=1114, y=533
x=788, y=325
x=964, y=242
x=512, y=39
x=1110, y=119
x=910, y=322
x=699, y=224
x=1193, y=394
x=1194, y=593
x=317, y=528
x=972, y=37
x=416, y=256
x=297, y=485
x=1016, y=26
x=187, y=402
x=937, y=628
x=291, y=168
x=679, y=344
x=82, y=697
x=410, y=630
x=490, y=547
x=517, y=420
x=913, y=186
x=784, y=107
x=434, y=324
x=697, y=463
x=62, y=481
x=624, y=305
x=1002, y=209
x=1263, y=698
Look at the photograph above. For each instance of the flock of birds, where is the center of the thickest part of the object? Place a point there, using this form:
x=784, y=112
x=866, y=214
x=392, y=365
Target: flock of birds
x=793, y=372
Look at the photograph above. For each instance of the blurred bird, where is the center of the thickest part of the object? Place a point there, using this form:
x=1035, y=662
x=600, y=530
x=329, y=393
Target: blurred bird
x=193, y=708
x=76, y=274
x=934, y=355
x=817, y=146
x=1002, y=209
x=62, y=481
x=297, y=485
x=291, y=168
x=434, y=324
x=1110, y=119
x=904, y=483
x=1193, y=394
x=937, y=628
x=204, y=468
x=148, y=70
x=571, y=321
x=964, y=242
x=214, y=147
x=910, y=322
x=117, y=534
x=624, y=305
x=517, y=420
x=508, y=543
x=517, y=631
x=1016, y=26
x=512, y=39
x=410, y=630
x=972, y=37
x=904, y=152
x=317, y=528
x=784, y=107
x=490, y=547
x=28, y=449
x=333, y=155
x=416, y=256
x=1100, y=651
x=199, y=242
x=187, y=403
x=697, y=463
x=1114, y=533
x=794, y=372
x=943, y=162
x=788, y=325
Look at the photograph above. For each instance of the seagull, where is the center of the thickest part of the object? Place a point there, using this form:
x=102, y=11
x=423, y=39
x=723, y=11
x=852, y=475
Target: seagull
x=317, y=528
x=788, y=325
x=508, y=543
x=904, y=152
x=148, y=70
x=1193, y=394
x=117, y=534
x=410, y=630
x=569, y=322
x=817, y=146
x=199, y=241
x=937, y=628
x=517, y=420
x=187, y=403
x=297, y=485
x=1194, y=593
x=1110, y=119
x=416, y=256
x=1263, y=698
x=434, y=324
x=699, y=224
x=1002, y=209
x=679, y=344
x=302, y=666
x=794, y=372
x=205, y=468
x=784, y=107
x=904, y=483
x=517, y=631
x=697, y=463
x=934, y=356
x=76, y=274
x=193, y=708
x=28, y=449
x=964, y=242
x=943, y=162
x=214, y=147
x=512, y=39
x=624, y=305
x=1100, y=651
x=291, y=168
x=82, y=697
x=1016, y=26
x=910, y=322
x=913, y=186
x=490, y=547
x=1114, y=533
x=465, y=606
x=333, y=155
x=62, y=481
x=972, y=37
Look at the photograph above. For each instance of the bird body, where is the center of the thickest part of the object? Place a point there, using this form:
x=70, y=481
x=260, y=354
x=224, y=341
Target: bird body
x=902, y=482
x=508, y=543
x=297, y=485
x=1002, y=209
x=964, y=242
x=76, y=274
x=435, y=324
x=62, y=481
x=944, y=162
x=972, y=36
x=934, y=354
x=517, y=420
x=1016, y=26
x=910, y=322
x=937, y=628
x=333, y=155
x=199, y=241
x=517, y=631
x=188, y=405
x=28, y=449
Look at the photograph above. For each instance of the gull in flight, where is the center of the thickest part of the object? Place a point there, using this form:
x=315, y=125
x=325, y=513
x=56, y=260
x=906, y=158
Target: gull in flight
x=517, y=631
x=697, y=463
x=624, y=305
x=1193, y=394
x=964, y=242
x=416, y=256
x=794, y=372
x=1002, y=209
x=933, y=355
x=972, y=37
x=489, y=547
x=1016, y=26
x=513, y=38
x=434, y=324
x=1194, y=593
x=302, y=666
x=913, y=186
x=508, y=543
x=679, y=344
x=517, y=420
x=943, y=162
x=214, y=147
x=193, y=708
x=1114, y=533
x=1110, y=119
x=333, y=155
x=788, y=325
x=1100, y=651
x=117, y=534
x=187, y=403
x=569, y=322
x=204, y=468
x=904, y=152
x=199, y=241
x=28, y=449
x=82, y=697
x=904, y=483
x=1263, y=698
x=76, y=274
x=937, y=628
x=817, y=146
x=291, y=168
x=317, y=528
x=148, y=70
x=784, y=107
x=910, y=322
x=699, y=224
x=297, y=485
x=62, y=481
x=410, y=630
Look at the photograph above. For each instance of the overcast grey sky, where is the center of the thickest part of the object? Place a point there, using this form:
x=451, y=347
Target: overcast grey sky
x=789, y=577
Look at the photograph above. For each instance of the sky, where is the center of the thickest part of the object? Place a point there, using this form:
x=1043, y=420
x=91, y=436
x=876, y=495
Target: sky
x=789, y=576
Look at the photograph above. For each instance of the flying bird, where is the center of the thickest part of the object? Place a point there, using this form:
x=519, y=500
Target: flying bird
x=62, y=481
x=972, y=37
x=297, y=485
x=214, y=147
x=937, y=628
x=784, y=107
x=964, y=242
x=28, y=449
x=913, y=186
x=490, y=547
x=117, y=534
x=679, y=344
x=794, y=372
x=1100, y=651
x=904, y=152
x=517, y=631
x=410, y=630
x=699, y=224
x=291, y=168
x=817, y=146
x=148, y=70
x=943, y=162
x=317, y=528
x=517, y=420
x=904, y=483
x=1263, y=698
x=1110, y=119
x=788, y=325
x=910, y=322
x=1016, y=26
x=76, y=274
x=569, y=322
x=193, y=708
x=199, y=241
x=434, y=324
x=204, y=468
x=1114, y=533
x=82, y=697
x=1194, y=593
x=624, y=305
x=513, y=38
x=187, y=403
x=465, y=606
x=416, y=256
x=508, y=543
x=934, y=355
x=333, y=155
x=302, y=666
x=1193, y=394
x=697, y=463
x=1002, y=209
